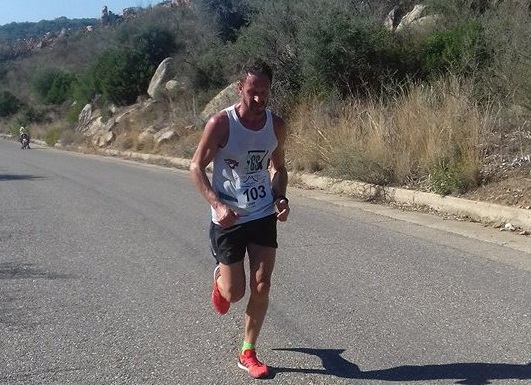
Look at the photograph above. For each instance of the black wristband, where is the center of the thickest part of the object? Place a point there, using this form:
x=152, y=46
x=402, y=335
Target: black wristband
x=282, y=197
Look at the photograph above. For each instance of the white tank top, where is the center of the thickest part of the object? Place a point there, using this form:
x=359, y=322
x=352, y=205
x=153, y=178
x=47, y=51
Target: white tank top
x=240, y=169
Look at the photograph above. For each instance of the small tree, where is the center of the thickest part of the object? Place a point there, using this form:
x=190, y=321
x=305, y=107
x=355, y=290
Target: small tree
x=156, y=44
x=53, y=86
x=346, y=54
x=61, y=89
x=122, y=75
x=9, y=104
x=228, y=15
x=461, y=50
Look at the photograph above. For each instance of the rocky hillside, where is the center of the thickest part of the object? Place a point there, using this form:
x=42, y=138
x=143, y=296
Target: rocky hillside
x=146, y=80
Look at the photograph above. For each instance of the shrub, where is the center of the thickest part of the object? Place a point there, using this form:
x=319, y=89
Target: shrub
x=275, y=40
x=9, y=104
x=61, y=89
x=42, y=82
x=208, y=71
x=156, y=44
x=445, y=177
x=52, y=136
x=508, y=79
x=461, y=50
x=84, y=89
x=72, y=115
x=28, y=115
x=121, y=75
x=228, y=15
x=53, y=86
x=343, y=53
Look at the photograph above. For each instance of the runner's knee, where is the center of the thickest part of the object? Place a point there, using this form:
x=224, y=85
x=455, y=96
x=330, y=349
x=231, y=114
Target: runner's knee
x=261, y=289
x=233, y=293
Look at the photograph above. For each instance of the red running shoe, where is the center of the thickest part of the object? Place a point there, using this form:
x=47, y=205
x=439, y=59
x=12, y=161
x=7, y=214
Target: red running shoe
x=247, y=360
x=221, y=305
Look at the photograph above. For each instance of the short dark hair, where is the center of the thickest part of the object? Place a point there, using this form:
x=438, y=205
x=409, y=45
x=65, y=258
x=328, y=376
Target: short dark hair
x=256, y=67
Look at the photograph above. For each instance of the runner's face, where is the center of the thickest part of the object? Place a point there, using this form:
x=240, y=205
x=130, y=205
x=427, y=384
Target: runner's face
x=255, y=92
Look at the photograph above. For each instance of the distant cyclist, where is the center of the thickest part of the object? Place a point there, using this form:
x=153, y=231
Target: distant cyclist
x=22, y=134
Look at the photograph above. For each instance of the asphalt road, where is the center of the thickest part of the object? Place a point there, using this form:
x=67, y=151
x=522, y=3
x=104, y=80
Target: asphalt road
x=105, y=278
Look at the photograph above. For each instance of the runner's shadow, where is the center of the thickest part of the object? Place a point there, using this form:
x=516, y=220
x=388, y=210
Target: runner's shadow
x=8, y=177
x=14, y=271
x=474, y=373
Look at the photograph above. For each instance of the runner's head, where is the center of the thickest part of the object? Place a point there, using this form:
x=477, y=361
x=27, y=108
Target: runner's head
x=254, y=86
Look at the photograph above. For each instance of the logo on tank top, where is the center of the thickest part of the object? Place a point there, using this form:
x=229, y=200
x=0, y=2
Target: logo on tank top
x=255, y=161
x=231, y=163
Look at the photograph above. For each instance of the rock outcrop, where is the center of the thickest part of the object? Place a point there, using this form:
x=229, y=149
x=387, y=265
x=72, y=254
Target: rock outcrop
x=417, y=19
x=225, y=98
x=164, y=135
x=164, y=73
x=85, y=116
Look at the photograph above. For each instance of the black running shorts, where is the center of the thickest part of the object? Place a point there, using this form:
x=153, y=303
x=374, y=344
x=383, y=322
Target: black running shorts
x=229, y=245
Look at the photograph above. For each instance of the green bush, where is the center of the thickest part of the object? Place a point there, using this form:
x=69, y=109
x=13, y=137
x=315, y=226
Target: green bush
x=28, y=115
x=508, y=79
x=229, y=16
x=42, y=82
x=14, y=131
x=121, y=75
x=451, y=175
x=84, y=89
x=53, y=86
x=72, y=115
x=461, y=50
x=52, y=136
x=208, y=72
x=156, y=44
x=346, y=54
x=61, y=89
x=9, y=104
x=275, y=40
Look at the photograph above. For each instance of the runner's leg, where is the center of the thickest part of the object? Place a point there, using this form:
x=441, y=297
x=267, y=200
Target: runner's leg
x=231, y=282
x=261, y=264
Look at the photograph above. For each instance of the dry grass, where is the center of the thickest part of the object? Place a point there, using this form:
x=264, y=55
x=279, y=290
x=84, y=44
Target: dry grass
x=429, y=133
x=178, y=117
x=184, y=145
x=431, y=136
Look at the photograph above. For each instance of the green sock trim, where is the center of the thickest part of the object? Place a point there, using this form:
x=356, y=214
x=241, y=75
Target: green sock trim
x=247, y=346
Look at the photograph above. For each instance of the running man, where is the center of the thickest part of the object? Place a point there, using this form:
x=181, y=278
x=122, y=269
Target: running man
x=247, y=196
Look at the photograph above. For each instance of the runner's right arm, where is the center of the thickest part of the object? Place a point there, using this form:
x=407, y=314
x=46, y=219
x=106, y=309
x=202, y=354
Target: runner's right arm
x=215, y=135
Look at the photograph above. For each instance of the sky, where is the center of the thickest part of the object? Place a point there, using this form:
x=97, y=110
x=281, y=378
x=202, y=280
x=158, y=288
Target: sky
x=37, y=10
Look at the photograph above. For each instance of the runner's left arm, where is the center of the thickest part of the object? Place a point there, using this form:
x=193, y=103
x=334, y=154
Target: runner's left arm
x=278, y=171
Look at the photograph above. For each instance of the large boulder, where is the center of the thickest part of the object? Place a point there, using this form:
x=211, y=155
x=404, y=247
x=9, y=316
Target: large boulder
x=174, y=88
x=94, y=126
x=103, y=139
x=224, y=99
x=165, y=135
x=158, y=82
x=393, y=18
x=101, y=132
x=146, y=139
x=417, y=19
x=85, y=116
x=172, y=85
